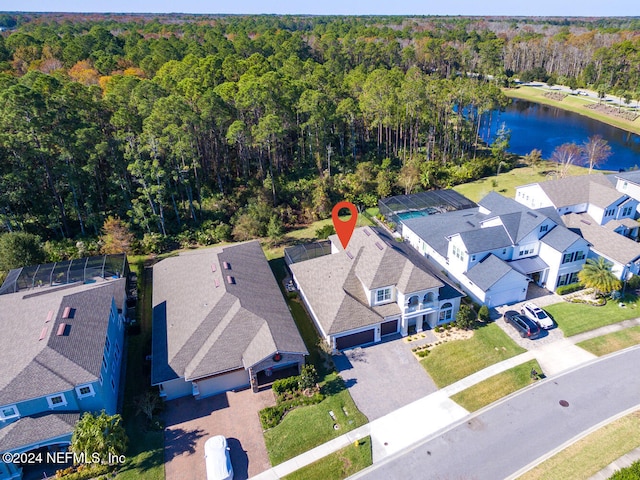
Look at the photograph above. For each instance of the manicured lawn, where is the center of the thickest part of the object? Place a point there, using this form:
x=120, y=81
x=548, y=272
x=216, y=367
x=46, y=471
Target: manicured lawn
x=572, y=103
x=496, y=387
x=574, y=318
x=338, y=465
x=612, y=342
x=591, y=454
x=507, y=182
x=455, y=360
x=310, y=426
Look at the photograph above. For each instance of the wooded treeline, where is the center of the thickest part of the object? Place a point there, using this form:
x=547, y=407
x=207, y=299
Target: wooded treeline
x=185, y=125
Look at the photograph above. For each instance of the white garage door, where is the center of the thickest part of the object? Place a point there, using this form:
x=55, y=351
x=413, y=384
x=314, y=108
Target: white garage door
x=222, y=383
x=494, y=299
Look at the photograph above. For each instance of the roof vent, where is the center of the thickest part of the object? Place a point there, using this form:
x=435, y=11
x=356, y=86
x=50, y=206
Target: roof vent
x=49, y=316
x=67, y=312
x=585, y=222
x=226, y=265
x=231, y=280
x=379, y=245
x=213, y=267
x=217, y=283
x=367, y=232
x=532, y=214
x=350, y=255
x=61, y=329
x=470, y=223
x=43, y=333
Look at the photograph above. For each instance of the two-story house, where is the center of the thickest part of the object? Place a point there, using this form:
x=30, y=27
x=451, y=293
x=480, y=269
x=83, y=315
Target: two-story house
x=601, y=208
x=61, y=351
x=372, y=289
x=497, y=248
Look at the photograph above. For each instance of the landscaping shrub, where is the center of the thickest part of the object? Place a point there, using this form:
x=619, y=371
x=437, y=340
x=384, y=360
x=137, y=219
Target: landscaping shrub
x=483, y=314
x=289, y=384
x=308, y=378
x=423, y=353
x=83, y=472
x=272, y=416
x=572, y=287
x=466, y=317
x=632, y=472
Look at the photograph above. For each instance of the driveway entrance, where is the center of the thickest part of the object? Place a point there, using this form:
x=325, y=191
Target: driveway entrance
x=383, y=377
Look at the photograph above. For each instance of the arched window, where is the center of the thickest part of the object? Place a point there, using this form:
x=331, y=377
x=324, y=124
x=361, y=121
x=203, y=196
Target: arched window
x=429, y=298
x=413, y=303
x=446, y=312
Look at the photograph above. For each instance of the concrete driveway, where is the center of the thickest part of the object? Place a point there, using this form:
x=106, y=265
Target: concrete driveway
x=383, y=377
x=190, y=422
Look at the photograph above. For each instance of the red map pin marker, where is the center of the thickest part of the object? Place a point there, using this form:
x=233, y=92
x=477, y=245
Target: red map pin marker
x=344, y=229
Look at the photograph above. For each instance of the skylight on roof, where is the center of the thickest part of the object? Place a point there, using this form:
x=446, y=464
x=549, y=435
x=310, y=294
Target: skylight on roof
x=231, y=280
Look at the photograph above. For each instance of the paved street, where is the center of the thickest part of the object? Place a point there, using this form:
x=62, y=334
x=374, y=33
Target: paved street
x=525, y=426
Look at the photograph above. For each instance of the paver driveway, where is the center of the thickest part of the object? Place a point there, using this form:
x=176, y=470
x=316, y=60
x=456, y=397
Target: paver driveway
x=383, y=377
x=190, y=422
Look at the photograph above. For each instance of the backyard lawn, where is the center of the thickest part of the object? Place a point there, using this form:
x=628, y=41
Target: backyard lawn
x=574, y=318
x=310, y=426
x=338, y=465
x=452, y=361
x=612, y=342
x=496, y=387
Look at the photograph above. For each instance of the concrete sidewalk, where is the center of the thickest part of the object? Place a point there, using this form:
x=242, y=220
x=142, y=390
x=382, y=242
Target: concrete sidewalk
x=622, y=462
x=426, y=416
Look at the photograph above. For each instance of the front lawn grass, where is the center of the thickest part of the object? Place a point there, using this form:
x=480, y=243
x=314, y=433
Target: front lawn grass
x=612, y=342
x=496, y=387
x=574, y=318
x=338, y=465
x=588, y=456
x=458, y=359
x=307, y=427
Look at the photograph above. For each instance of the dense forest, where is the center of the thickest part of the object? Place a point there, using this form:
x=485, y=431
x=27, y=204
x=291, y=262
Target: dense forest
x=209, y=128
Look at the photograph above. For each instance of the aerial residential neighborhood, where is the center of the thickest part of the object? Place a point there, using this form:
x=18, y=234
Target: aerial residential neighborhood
x=319, y=246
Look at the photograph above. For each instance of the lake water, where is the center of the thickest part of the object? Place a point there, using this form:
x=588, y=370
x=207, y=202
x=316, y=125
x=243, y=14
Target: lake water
x=543, y=127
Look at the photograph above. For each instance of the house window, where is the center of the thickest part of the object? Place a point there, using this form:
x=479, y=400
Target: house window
x=383, y=295
x=626, y=212
x=8, y=412
x=85, y=391
x=107, y=345
x=56, y=401
x=624, y=186
x=544, y=228
x=567, y=258
x=429, y=297
x=579, y=255
x=116, y=357
x=446, y=312
x=104, y=363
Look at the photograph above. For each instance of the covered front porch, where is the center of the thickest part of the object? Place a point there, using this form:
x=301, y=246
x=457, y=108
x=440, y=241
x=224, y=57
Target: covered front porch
x=534, y=268
x=418, y=323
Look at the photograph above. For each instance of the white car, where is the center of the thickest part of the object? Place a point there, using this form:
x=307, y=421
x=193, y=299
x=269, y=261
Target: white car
x=217, y=459
x=535, y=313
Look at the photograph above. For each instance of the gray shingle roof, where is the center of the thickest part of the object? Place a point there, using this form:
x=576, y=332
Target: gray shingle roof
x=31, y=367
x=626, y=222
x=488, y=272
x=560, y=238
x=483, y=239
x=604, y=241
x=595, y=189
x=632, y=176
x=333, y=284
x=204, y=325
x=36, y=429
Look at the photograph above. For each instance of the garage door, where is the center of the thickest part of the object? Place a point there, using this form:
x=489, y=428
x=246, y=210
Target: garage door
x=389, y=327
x=222, y=383
x=355, y=339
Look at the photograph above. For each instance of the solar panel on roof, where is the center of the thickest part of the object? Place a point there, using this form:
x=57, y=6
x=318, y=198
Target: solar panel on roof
x=61, y=329
x=43, y=333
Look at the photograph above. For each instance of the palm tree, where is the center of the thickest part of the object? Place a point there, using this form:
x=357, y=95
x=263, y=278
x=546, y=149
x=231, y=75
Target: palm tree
x=597, y=274
x=101, y=433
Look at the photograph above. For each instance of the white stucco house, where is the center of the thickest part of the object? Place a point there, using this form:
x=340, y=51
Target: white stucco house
x=374, y=288
x=496, y=249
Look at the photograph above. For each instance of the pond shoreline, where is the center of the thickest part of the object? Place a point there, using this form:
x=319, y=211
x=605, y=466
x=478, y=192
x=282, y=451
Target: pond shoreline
x=576, y=105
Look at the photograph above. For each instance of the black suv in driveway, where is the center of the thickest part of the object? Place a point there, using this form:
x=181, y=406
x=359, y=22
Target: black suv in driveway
x=525, y=327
